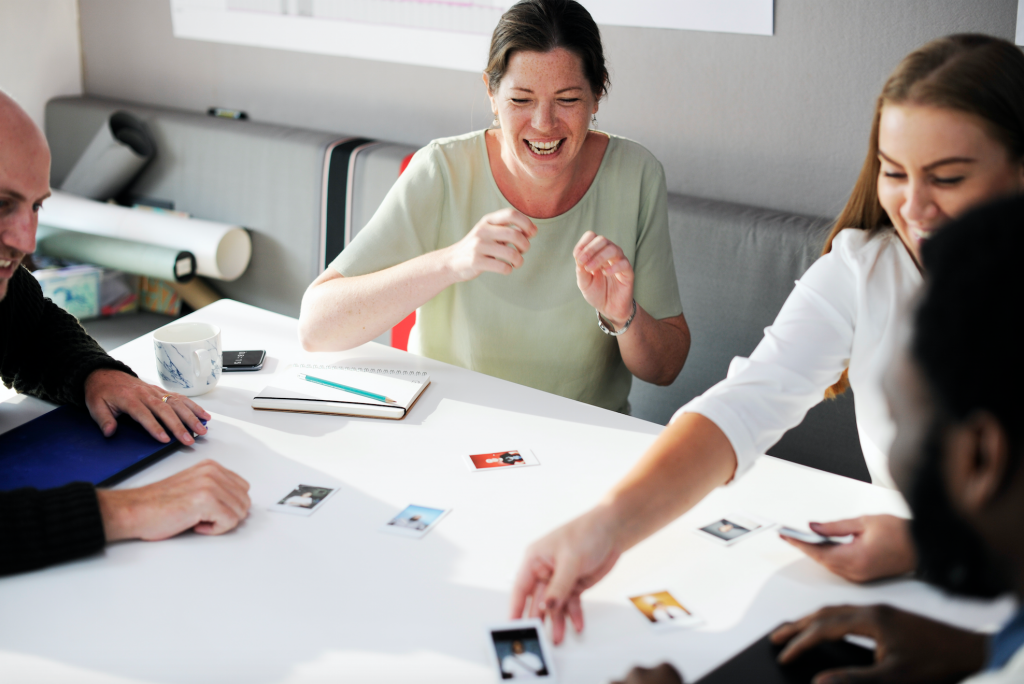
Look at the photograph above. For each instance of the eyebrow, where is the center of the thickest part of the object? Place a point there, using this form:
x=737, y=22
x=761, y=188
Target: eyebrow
x=18, y=196
x=934, y=164
x=557, y=92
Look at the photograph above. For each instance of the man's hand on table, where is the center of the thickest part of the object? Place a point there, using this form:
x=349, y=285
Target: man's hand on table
x=662, y=674
x=109, y=393
x=910, y=648
x=206, y=498
x=881, y=548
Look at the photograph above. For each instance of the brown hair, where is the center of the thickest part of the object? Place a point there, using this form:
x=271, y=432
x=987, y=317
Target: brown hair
x=542, y=26
x=971, y=73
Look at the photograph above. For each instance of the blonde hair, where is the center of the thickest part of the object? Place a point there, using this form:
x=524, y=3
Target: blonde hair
x=971, y=73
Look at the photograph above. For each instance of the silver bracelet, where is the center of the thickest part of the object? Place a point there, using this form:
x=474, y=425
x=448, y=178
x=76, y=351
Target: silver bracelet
x=616, y=333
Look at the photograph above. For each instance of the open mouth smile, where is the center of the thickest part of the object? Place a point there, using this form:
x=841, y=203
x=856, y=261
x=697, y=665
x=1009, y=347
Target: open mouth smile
x=544, y=148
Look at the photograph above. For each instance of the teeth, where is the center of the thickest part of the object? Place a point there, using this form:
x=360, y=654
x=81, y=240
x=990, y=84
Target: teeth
x=544, y=147
x=4, y=263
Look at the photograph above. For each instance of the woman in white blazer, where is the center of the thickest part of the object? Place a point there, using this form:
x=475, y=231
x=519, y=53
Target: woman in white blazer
x=948, y=135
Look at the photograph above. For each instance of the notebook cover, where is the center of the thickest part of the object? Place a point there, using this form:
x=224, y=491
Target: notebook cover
x=758, y=663
x=66, y=445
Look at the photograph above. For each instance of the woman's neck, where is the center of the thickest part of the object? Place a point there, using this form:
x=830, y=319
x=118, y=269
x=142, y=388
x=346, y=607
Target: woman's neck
x=546, y=198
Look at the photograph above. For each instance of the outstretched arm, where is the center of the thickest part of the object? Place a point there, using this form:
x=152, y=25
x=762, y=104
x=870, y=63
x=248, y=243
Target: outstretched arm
x=691, y=457
x=340, y=313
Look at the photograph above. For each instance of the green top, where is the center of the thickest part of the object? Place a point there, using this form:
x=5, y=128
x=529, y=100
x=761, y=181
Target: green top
x=532, y=327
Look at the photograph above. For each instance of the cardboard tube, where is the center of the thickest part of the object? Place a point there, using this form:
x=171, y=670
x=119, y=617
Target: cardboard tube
x=116, y=154
x=222, y=251
x=196, y=293
x=131, y=257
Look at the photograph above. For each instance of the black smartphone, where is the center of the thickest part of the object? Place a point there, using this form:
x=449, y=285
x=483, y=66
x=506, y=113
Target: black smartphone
x=251, y=360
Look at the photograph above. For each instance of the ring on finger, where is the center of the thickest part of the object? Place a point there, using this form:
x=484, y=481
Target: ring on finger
x=166, y=397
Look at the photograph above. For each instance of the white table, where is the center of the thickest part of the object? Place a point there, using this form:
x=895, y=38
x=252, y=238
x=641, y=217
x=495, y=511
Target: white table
x=330, y=598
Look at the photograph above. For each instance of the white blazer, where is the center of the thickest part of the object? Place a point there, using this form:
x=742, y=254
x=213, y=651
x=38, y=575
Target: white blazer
x=849, y=310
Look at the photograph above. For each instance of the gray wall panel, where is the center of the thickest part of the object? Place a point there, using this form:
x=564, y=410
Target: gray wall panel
x=779, y=121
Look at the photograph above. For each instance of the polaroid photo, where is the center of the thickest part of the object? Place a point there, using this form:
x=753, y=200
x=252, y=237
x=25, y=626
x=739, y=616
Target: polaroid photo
x=728, y=531
x=520, y=650
x=501, y=459
x=415, y=521
x=663, y=611
x=303, y=500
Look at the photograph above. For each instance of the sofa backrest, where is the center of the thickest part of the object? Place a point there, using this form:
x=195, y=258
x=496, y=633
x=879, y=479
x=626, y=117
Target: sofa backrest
x=736, y=265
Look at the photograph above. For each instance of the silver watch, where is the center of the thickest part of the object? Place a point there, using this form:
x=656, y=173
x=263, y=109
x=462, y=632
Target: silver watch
x=616, y=333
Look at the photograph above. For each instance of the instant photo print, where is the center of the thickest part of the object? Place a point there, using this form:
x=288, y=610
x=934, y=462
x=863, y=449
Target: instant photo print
x=520, y=651
x=415, y=521
x=497, y=460
x=663, y=611
x=303, y=500
x=728, y=531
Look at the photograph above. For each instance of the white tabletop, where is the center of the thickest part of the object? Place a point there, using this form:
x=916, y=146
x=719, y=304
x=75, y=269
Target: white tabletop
x=330, y=598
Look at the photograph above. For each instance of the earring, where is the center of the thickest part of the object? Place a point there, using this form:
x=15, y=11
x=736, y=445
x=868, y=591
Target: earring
x=495, y=123
x=593, y=121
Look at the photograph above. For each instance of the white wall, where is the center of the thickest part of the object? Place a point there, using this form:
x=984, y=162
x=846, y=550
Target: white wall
x=40, y=52
x=779, y=121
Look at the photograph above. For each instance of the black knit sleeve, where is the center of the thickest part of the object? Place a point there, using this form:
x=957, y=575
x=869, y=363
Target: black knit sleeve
x=44, y=351
x=40, y=528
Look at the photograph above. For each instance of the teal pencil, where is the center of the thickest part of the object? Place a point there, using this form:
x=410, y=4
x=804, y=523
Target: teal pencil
x=346, y=388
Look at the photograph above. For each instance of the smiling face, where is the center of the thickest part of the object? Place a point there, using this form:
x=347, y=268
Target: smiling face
x=935, y=165
x=544, y=104
x=24, y=184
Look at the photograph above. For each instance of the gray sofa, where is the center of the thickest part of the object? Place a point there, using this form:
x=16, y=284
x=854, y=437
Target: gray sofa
x=736, y=265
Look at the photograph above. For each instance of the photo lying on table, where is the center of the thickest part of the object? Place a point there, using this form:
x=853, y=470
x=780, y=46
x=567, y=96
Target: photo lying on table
x=520, y=651
x=501, y=459
x=415, y=521
x=728, y=531
x=303, y=500
x=663, y=610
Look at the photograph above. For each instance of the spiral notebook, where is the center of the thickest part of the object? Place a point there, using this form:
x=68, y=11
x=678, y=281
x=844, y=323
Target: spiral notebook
x=290, y=392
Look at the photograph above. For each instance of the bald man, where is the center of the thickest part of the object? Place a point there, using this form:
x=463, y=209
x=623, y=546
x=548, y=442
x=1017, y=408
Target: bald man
x=46, y=353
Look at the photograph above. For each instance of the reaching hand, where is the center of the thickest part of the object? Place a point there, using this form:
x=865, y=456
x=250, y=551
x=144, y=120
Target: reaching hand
x=109, y=393
x=206, y=498
x=662, y=674
x=605, y=277
x=559, y=567
x=881, y=547
x=909, y=649
x=497, y=243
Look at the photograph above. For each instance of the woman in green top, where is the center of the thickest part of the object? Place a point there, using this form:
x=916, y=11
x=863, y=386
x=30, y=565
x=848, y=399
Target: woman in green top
x=507, y=240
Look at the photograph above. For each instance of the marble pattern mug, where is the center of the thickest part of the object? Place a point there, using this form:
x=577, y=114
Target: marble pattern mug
x=188, y=357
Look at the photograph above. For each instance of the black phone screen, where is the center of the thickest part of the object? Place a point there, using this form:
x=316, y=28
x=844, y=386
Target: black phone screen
x=249, y=360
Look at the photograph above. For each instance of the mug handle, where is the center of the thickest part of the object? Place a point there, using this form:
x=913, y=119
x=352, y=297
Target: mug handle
x=203, y=356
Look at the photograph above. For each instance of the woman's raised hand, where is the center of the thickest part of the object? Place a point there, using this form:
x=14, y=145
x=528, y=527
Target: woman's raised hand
x=605, y=277
x=559, y=567
x=497, y=243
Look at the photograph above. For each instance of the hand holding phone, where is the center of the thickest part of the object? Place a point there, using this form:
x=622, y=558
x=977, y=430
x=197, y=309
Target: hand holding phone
x=812, y=537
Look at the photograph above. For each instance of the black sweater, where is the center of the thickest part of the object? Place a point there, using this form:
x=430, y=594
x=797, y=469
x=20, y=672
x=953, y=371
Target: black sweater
x=45, y=352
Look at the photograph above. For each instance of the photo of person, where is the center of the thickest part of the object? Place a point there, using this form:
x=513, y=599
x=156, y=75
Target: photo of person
x=725, y=529
x=415, y=521
x=303, y=500
x=501, y=459
x=519, y=654
x=662, y=608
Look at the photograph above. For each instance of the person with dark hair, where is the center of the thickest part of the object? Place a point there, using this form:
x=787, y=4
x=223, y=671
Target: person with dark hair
x=46, y=353
x=947, y=136
x=958, y=457
x=480, y=234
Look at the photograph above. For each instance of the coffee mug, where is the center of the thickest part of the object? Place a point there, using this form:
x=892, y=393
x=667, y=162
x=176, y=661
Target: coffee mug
x=188, y=357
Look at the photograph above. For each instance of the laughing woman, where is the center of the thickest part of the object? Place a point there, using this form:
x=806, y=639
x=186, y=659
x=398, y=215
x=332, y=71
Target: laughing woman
x=536, y=251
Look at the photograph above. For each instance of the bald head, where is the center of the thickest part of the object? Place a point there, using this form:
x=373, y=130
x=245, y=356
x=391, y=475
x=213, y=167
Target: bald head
x=24, y=184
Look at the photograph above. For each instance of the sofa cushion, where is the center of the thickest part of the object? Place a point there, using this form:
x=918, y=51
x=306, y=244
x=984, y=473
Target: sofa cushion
x=736, y=265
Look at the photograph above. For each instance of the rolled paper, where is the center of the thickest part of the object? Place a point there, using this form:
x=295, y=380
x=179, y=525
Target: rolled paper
x=196, y=293
x=118, y=151
x=221, y=250
x=166, y=263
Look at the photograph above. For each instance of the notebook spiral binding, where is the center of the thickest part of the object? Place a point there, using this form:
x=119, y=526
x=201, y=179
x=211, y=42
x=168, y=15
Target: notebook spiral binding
x=379, y=371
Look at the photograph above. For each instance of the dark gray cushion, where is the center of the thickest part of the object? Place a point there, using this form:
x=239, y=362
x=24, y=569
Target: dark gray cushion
x=736, y=265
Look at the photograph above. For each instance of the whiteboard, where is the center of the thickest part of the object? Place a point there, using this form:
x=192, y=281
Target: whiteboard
x=438, y=33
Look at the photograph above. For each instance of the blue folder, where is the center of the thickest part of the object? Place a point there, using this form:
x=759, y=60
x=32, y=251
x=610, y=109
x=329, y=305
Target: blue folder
x=66, y=445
